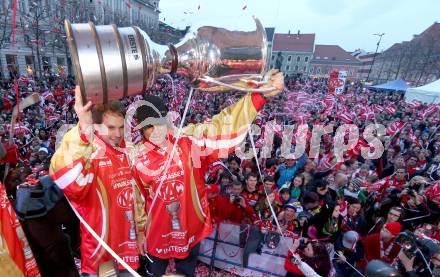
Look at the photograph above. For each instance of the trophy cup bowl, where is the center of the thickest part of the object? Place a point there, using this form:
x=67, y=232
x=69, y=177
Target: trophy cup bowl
x=111, y=62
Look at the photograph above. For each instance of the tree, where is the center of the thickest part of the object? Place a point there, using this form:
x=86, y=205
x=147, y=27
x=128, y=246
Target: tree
x=5, y=11
x=430, y=49
x=400, y=58
x=37, y=17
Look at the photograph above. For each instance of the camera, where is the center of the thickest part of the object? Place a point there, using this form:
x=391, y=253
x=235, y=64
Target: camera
x=409, y=242
x=235, y=199
x=412, y=192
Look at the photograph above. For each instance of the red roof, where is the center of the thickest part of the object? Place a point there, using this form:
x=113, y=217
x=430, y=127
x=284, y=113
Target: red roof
x=332, y=52
x=293, y=42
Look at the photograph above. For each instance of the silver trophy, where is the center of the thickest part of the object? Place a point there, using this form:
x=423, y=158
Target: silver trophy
x=111, y=63
x=132, y=231
x=173, y=209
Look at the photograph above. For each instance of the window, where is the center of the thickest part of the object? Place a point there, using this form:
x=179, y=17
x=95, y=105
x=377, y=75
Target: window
x=327, y=70
x=46, y=64
x=296, y=68
x=287, y=67
x=273, y=57
x=289, y=58
x=318, y=58
x=11, y=63
x=27, y=40
x=60, y=61
x=318, y=70
x=21, y=6
x=325, y=58
x=311, y=70
x=304, y=69
x=29, y=60
x=306, y=59
x=298, y=59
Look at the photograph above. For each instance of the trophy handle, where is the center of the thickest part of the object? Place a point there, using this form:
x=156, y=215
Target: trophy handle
x=231, y=86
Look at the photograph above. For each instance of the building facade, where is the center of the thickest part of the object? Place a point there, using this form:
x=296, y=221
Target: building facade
x=416, y=61
x=292, y=53
x=366, y=59
x=332, y=57
x=40, y=41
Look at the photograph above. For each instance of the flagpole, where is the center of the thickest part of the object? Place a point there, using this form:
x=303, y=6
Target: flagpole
x=429, y=138
x=397, y=132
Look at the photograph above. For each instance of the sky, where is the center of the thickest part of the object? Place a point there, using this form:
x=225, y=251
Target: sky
x=348, y=23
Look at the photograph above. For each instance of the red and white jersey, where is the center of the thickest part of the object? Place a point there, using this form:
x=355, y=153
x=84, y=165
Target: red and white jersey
x=97, y=180
x=180, y=217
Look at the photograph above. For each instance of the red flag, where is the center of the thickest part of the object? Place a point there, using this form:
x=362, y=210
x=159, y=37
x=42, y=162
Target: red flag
x=377, y=108
x=394, y=128
x=329, y=101
x=366, y=113
x=413, y=137
x=48, y=95
x=333, y=81
x=428, y=111
x=346, y=117
x=415, y=104
x=128, y=4
x=301, y=117
x=433, y=192
x=376, y=186
x=14, y=242
x=390, y=110
x=356, y=151
x=324, y=163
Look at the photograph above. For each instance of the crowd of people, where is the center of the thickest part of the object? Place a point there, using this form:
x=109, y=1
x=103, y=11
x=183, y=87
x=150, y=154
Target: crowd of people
x=340, y=214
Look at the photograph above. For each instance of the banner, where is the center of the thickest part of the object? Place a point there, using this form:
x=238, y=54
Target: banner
x=225, y=249
x=16, y=257
x=337, y=81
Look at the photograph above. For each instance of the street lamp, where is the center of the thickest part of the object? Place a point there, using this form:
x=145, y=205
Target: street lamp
x=375, y=53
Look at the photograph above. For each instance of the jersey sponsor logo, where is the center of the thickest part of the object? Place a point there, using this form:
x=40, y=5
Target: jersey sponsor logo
x=121, y=184
x=131, y=259
x=85, y=180
x=176, y=235
x=125, y=198
x=169, y=176
x=171, y=190
x=105, y=163
x=175, y=248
